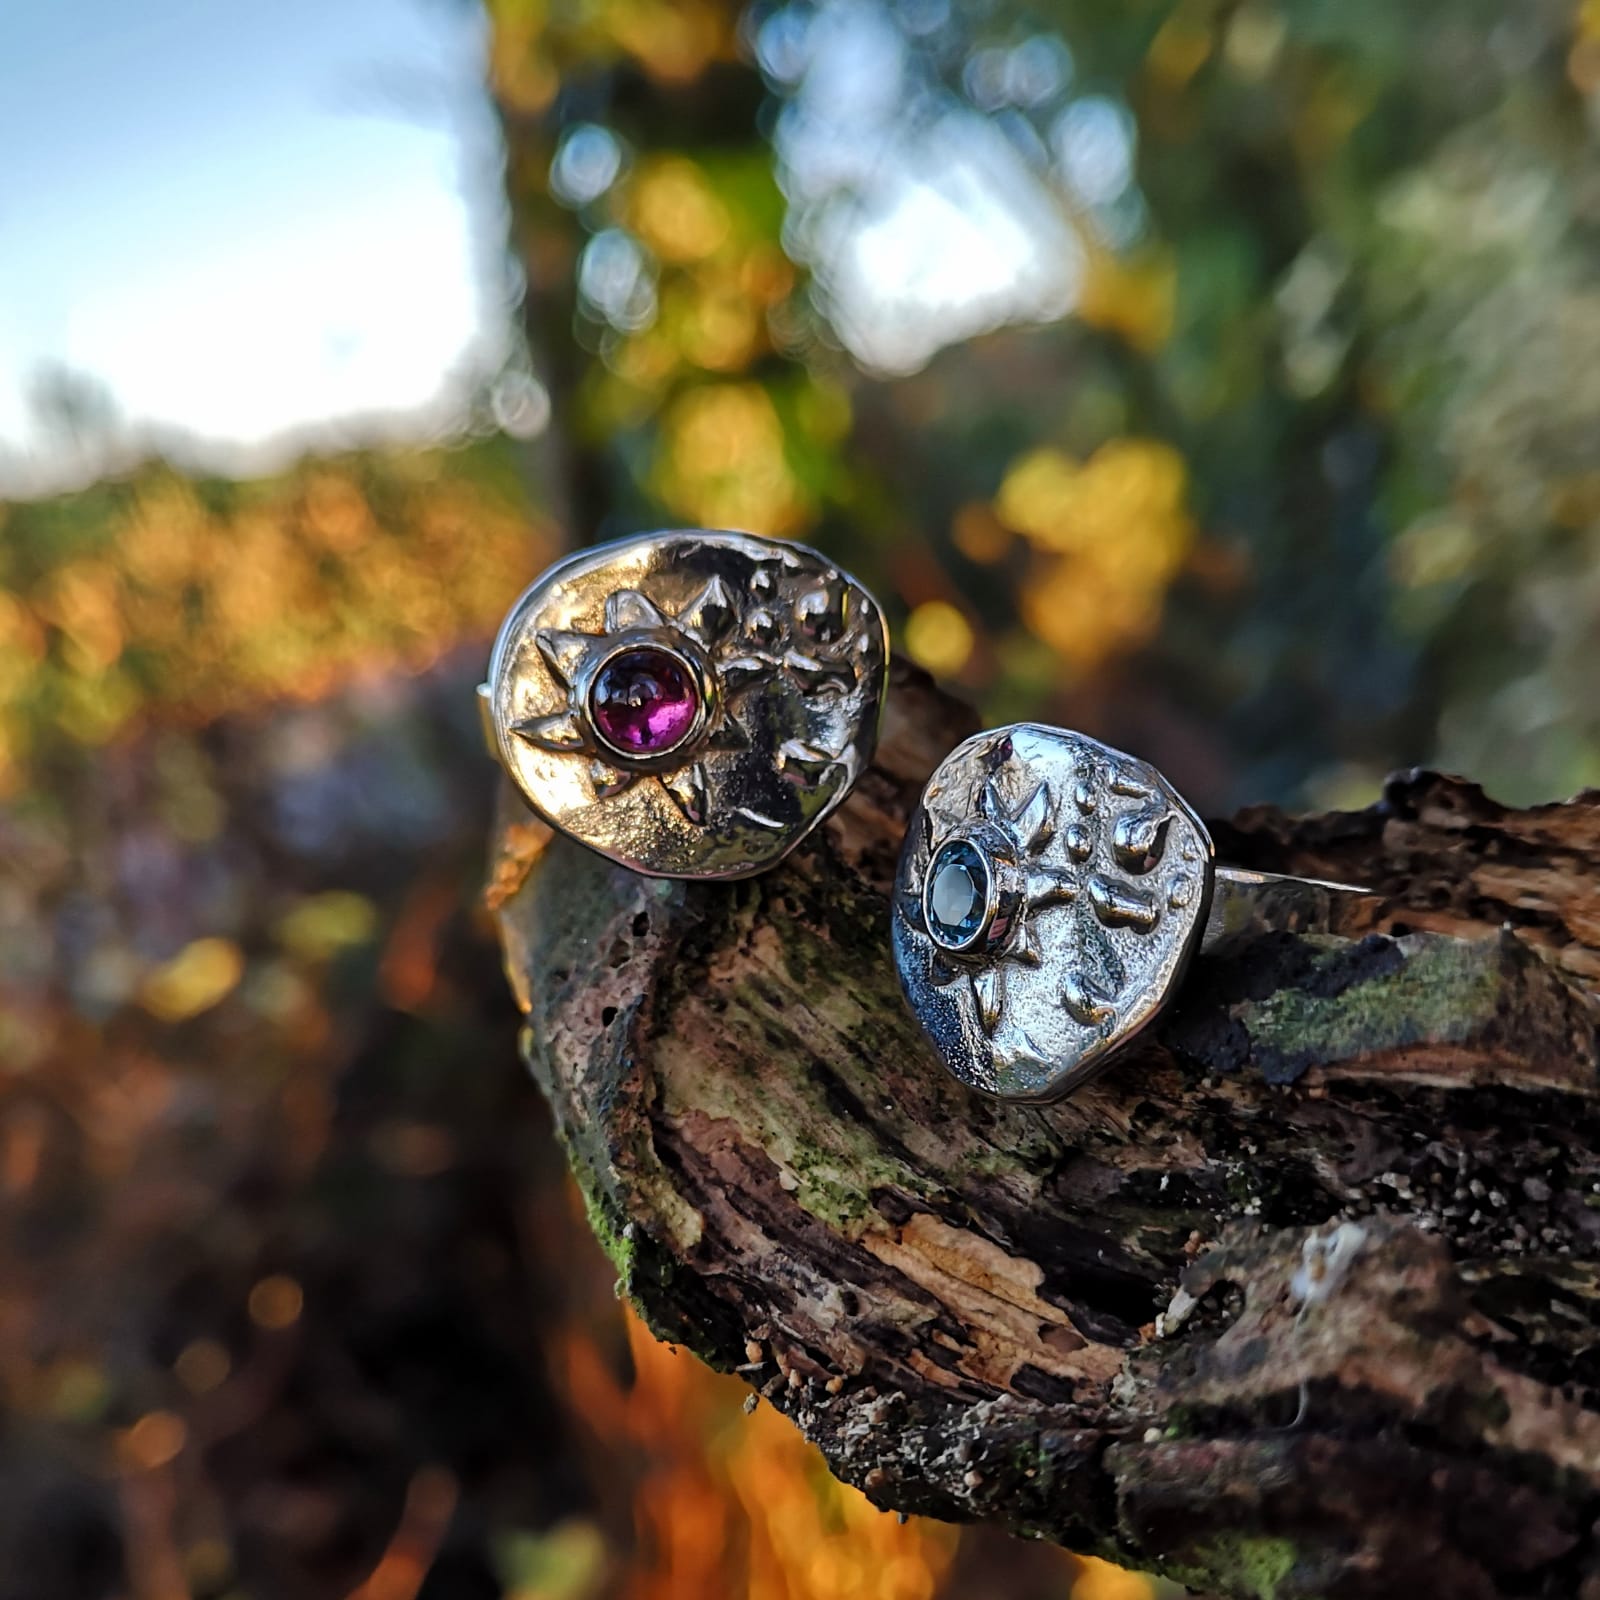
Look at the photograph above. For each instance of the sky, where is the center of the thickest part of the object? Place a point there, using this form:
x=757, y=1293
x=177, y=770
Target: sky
x=257, y=227
x=243, y=220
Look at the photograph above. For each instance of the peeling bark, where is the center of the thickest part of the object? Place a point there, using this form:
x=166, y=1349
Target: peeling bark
x=1299, y=1299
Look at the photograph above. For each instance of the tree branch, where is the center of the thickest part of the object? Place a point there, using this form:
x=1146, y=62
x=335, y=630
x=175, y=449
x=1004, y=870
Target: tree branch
x=1300, y=1298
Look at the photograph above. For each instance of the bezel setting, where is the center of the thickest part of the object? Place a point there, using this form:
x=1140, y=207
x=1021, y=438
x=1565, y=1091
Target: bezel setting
x=959, y=849
x=696, y=669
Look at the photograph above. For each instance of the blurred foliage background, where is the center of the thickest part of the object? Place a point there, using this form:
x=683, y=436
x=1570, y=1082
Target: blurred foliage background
x=1289, y=473
x=1219, y=376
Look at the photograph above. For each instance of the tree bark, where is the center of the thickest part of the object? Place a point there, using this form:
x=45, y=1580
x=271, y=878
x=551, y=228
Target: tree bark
x=1299, y=1298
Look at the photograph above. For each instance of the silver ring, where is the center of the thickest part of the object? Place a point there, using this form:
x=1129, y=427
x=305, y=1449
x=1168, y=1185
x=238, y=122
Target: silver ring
x=1051, y=894
x=690, y=704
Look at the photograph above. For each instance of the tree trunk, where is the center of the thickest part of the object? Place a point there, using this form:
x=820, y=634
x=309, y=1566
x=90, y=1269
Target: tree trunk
x=1299, y=1298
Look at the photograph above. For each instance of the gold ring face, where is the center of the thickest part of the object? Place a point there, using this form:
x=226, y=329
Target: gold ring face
x=690, y=704
x=1051, y=892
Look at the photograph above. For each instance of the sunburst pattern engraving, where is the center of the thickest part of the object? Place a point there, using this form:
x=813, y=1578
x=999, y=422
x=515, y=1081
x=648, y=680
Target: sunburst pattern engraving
x=737, y=679
x=1049, y=892
x=999, y=859
x=696, y=665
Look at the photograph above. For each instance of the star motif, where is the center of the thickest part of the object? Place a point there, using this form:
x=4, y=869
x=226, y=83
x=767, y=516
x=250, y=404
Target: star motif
x=1026, y=831
x=726, y=652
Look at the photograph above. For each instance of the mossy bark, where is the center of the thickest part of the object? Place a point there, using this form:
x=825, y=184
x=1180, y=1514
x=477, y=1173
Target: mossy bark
x=1299, y=1299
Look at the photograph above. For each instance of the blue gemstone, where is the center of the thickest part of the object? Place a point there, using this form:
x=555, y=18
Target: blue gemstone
x=957, y=902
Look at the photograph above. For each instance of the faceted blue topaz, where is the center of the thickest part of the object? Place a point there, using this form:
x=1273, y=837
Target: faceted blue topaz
x=957, y=901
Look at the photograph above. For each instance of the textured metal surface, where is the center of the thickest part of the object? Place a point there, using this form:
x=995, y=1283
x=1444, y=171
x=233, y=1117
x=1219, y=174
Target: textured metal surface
x=789, y=655
x=1109, y=876
x=1245, y=905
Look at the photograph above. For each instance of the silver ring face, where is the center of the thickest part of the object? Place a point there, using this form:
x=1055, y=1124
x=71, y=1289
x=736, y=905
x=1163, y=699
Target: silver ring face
x=1051, y=892
x=690, y=704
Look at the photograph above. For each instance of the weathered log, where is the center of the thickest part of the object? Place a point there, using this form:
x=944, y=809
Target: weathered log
x=1299, y=1298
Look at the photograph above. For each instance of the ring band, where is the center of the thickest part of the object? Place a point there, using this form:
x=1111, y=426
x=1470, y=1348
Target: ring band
x=1245, y=904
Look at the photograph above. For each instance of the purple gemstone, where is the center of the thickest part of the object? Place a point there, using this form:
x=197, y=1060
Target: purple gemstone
x=643, y=701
